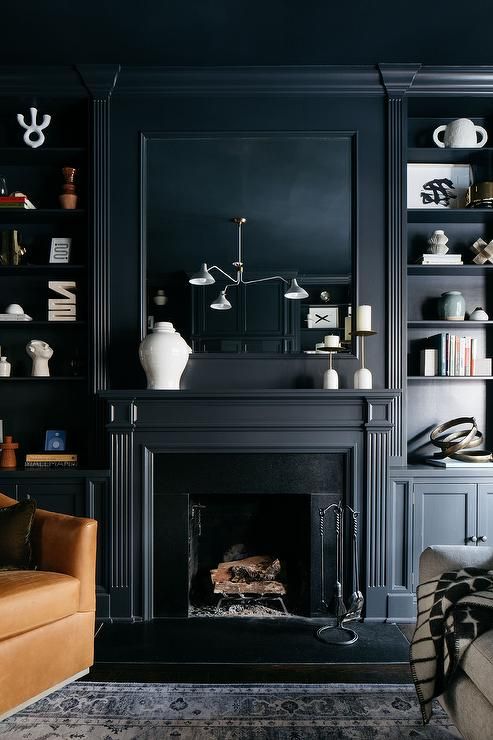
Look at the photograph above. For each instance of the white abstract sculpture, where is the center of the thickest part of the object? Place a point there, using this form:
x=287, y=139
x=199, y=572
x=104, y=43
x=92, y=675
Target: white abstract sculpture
x=40, y=352
x=34, y=129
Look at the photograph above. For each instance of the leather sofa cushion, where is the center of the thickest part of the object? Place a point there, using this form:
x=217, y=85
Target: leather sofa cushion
x=477, y=663
x=31, y=598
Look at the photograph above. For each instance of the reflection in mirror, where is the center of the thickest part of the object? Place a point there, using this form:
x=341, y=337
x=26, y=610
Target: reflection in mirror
x=278, y=284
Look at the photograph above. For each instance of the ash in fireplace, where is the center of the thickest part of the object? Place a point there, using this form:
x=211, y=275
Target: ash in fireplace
x=239, y=609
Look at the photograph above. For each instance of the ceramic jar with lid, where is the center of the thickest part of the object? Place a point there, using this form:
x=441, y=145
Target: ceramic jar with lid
x=452, y=306
x=164, y=355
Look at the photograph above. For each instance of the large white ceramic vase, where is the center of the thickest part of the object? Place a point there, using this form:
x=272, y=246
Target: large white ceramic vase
x=164, y=356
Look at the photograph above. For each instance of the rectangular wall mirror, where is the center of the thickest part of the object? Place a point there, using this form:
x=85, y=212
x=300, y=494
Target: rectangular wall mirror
x=296, y=193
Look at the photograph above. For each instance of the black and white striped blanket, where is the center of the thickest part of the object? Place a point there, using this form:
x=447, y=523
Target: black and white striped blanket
x=452, y=611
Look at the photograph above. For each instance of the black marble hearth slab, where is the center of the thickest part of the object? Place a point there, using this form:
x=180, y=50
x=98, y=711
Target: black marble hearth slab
x=245, y=640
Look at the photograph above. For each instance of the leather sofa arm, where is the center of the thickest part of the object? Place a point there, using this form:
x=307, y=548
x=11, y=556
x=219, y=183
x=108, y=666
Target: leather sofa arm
x=438, y=559
x=67, y=544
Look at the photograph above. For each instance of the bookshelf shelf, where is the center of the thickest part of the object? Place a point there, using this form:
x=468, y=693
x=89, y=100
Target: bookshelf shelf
x=437, y=270
x=466, y=325
x=439, y=216
x=443, y=378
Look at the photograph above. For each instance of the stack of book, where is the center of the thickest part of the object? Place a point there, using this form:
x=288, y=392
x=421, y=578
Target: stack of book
x=15, y=201
x=441, y=259
x=51, y=460
x=450, y=355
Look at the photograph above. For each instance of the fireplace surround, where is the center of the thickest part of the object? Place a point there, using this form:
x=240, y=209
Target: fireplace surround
x=153, y=432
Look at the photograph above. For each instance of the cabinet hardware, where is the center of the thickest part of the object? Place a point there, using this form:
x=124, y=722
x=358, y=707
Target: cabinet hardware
x=473, y=539
x=483, y=538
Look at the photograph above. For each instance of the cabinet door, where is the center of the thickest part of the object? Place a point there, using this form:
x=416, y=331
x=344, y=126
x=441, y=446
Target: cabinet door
x=485, y=514
x=63, y=498
x=445, y=514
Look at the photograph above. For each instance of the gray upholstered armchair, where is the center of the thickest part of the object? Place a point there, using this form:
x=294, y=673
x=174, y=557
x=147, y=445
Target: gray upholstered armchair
x=469, y=698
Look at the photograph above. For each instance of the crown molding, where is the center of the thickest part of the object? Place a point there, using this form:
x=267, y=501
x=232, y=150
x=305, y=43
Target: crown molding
x=453, y=81
x=41, y=80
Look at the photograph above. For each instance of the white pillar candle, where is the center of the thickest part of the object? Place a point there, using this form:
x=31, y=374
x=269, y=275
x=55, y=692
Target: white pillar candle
x=331, y=340
x=363, y=318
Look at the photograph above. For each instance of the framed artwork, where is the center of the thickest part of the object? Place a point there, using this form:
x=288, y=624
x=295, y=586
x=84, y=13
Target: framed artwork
x=323, y=317
x=437, y=185
x=60, y=249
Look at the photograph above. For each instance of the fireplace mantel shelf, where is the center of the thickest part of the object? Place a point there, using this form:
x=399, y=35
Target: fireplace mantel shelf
x=312, y=394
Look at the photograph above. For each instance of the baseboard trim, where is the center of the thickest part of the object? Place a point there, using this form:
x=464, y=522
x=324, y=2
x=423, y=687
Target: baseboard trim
x=43, y=694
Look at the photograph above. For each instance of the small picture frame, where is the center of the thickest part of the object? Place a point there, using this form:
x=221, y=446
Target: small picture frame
x=323, y=317
x=60, y=250
x=437, y=185
x=55, y=440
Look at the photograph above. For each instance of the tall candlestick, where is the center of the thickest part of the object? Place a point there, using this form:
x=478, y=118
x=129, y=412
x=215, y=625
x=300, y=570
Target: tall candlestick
x=363, y=318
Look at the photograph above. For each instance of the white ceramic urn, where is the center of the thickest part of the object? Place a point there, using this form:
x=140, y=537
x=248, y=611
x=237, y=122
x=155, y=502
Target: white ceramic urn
x=164, y=356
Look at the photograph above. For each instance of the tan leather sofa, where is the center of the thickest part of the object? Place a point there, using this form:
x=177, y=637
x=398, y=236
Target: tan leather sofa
x=468, y=699
x=47, y=615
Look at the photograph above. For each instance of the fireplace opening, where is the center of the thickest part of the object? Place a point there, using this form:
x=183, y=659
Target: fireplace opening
x=249, y=555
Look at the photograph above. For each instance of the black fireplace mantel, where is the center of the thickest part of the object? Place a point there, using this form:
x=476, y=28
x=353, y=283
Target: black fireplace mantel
x=143, y=423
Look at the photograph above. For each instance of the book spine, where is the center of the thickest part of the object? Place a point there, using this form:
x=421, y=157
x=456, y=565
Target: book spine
x=51, y=464
x=474, y=354
x=467, y=359
x=443, y=354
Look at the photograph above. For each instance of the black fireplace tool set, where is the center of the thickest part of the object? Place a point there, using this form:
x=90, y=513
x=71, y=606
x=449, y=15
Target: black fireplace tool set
x=350, y=611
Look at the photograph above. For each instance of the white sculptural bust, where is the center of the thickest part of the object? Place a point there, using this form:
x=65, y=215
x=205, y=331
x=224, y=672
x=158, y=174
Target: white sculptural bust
x=40, y=352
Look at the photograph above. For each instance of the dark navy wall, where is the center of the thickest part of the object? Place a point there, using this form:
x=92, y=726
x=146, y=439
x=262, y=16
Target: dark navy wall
x=230, y=32
x=133, y=113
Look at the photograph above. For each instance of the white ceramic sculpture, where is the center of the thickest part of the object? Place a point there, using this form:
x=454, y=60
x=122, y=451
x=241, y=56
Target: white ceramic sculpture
x=40, y=352
x=479, y=314
x=437, y=243
x=34, y=129
x=461, y=133
x=4, y=368
x=164, y=356
x=363, y=378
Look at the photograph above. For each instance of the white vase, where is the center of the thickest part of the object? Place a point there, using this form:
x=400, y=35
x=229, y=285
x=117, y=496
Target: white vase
x=164, y=356
x=4, y=368
x=437, y=243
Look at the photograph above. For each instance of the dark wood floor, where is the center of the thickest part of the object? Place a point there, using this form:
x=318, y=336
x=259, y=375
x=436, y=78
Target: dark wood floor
x=139, y=653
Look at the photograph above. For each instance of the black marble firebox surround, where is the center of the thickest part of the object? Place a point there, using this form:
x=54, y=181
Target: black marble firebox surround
x=143, y=424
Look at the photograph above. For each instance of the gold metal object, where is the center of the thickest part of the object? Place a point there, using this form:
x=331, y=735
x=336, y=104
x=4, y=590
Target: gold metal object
x=473, y=456
x=479, y=195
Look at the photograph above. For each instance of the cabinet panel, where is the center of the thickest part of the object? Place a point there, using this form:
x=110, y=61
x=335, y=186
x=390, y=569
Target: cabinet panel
x=445, y=514
x=485, y=514
x=63, y=498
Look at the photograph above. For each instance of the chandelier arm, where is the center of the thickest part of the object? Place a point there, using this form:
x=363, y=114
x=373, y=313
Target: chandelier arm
x=263, y=280
x=215, y=267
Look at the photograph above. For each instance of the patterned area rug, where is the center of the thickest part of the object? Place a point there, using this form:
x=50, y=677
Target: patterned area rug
x=124, y=711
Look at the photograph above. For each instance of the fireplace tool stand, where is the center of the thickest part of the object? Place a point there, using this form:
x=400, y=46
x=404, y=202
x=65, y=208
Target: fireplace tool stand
x=339, y=633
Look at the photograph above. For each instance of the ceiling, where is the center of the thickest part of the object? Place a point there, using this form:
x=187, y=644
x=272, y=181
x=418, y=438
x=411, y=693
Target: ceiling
x=245, y=32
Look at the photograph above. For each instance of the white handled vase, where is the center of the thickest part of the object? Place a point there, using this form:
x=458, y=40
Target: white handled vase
x=461, y=133
x=164, y=356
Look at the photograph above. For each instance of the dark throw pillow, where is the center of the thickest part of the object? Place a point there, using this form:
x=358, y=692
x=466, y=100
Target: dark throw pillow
x=15, y=531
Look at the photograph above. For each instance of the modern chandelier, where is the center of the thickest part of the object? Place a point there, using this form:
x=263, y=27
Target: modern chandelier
x=221, y=303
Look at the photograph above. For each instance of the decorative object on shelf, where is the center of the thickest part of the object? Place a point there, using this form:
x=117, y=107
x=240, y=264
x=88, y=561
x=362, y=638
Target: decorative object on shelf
x=437, y=185
x=347, y=325
x=3, y=186
x=14, y=312
x=452, y=306
x=4, y=368
x=325, y=296
x=160, y=299
x=483, y=251
x=221, y=303
x=34, y=136
x=11, y=251
x=363, y=377
x=437, y=242
x=55, y=440
x=331, y=345
x=339, y=633
x=460, y=134
x=483, y=367
x=68, y=197
x=1, y=431
x=479, y=314
x=8, y=457
x=52, y=460
x=480, y=195
x=459, y=440
x=164, y=356
x=60, y=250
x=323, y=317
x=62, y=309
x=40, y=352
